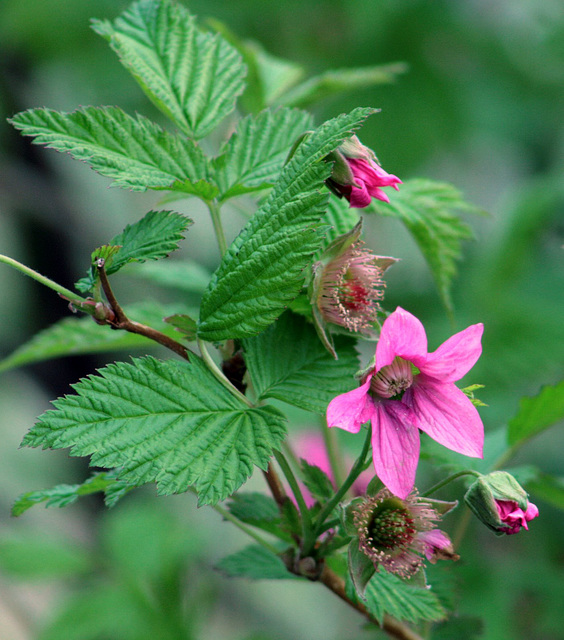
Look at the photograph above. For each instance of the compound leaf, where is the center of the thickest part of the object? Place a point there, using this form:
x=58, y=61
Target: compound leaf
x=193, y=77
x=167, y=422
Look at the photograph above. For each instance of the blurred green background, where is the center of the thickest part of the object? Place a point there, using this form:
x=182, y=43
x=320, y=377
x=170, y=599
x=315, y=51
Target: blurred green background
x=481, y=105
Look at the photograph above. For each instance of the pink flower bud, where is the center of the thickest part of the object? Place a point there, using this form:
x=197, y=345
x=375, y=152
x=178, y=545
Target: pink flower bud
x=357, y=175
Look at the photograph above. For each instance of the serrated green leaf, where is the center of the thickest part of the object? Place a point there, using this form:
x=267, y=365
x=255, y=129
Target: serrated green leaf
x=337, y=81
x=254, y=155
x=430, y=211
x=193, y=77
x=341, y=218
x=135, y=152
x=256, y=563
x=250, y=507
x=317, y=481
x=262, y=271
x=65, y=494
x=75, y=336
x=386, y=593
x=537, y=414
x=183, y=323
x=156, y=235
x=288, y=362
x=33, y=557
x=167, y=422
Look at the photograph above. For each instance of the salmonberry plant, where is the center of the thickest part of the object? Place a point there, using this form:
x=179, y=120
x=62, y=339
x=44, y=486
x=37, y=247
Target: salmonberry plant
x=279, y=323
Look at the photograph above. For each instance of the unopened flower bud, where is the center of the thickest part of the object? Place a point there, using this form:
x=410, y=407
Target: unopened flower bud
x=357, y=174
x=501, y=503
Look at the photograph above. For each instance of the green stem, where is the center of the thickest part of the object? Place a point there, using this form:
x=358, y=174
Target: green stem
x=66, y=293
x=454, y=476
x=330, y=440
x=243, y=527
x=219, y=375
x=215, y=214
x=308, y=537
x=353, y=475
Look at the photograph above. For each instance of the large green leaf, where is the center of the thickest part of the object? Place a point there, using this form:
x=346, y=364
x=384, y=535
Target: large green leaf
x=386, y=593
x=75, y=336
x=263, y=269
x=154, y=236
x=288, y=362
x=255, y=153
x=193, y=77
x=167, y=422
x=537, y=414
x=135, y=152
x=256, y=563
x=430, y=211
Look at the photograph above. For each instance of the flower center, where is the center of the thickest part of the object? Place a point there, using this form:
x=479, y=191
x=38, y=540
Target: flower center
x=391, y=528
x=354, y=296
x=393, y=379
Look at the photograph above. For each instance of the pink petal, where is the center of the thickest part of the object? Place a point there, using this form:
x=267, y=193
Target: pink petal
x=532, y=511
x=447, y=415
x=402, y=335
x=455, y=357
x=350, y=410
x=433, y=540
x=359, y=197
x=395, y=446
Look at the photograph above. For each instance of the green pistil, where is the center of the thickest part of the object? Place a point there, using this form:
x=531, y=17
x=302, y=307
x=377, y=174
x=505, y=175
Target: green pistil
x=390, y=528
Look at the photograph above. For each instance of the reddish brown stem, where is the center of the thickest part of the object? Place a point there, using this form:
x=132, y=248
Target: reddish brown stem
x=275, y=485
x=391, y=626
x=121, y=321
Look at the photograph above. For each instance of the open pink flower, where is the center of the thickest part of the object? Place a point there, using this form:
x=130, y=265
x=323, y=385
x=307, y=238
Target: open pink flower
x=512, y=515
x=410, y=389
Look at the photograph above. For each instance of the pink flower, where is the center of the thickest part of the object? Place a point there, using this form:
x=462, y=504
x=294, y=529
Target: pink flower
x=397, y=533
x=369, y=177
x=351, y=286
x=512, y=515
x=357, y=175
x=410, y=389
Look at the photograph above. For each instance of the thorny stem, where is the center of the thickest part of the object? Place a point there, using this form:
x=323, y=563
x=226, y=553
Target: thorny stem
x=275, y=485
x=215, y=214
x=451, y=478
x=392, y=627
x=121, y=321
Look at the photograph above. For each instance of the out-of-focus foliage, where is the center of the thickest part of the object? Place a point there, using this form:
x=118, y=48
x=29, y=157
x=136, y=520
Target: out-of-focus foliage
x=480, y=106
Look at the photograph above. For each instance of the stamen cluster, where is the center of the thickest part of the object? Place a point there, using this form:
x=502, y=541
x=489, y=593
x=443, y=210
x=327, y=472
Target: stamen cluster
x=351, y=288
x=393, y=532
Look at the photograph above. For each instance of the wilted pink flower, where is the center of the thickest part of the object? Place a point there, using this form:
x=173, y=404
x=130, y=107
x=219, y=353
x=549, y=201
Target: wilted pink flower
x=396, y=533
x=310, y=447
x=351, y=286
x=410, y=389
x=357, y=174
x=512, y=515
